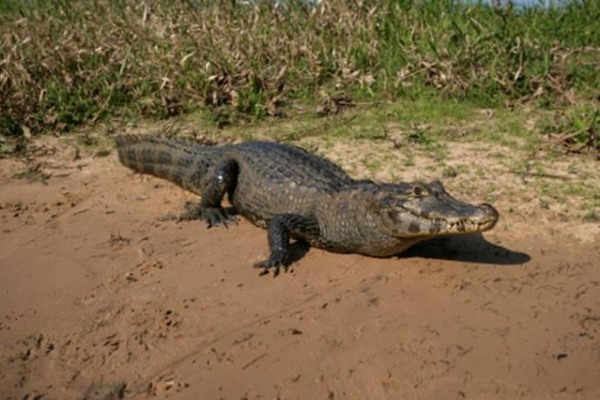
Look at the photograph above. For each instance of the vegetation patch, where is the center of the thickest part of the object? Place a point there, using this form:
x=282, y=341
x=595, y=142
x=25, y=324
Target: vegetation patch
x=576, y=130
x=63, y=64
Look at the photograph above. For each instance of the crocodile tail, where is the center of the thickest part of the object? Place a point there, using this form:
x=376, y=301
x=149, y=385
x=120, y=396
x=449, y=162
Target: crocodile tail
x=182, y=162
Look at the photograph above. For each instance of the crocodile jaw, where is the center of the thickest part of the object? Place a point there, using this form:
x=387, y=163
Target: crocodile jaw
x=405, y=223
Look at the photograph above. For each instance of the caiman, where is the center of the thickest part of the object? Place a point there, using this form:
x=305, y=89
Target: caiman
x=295, y=194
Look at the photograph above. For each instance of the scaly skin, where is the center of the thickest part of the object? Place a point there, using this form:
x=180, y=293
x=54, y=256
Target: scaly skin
x=296, y=194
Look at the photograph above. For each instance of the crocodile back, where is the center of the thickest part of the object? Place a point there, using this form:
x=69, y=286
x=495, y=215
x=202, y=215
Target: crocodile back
x=275, y=179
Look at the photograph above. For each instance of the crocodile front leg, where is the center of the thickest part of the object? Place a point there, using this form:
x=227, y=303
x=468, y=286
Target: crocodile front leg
x=222, y=180
x=279, y=229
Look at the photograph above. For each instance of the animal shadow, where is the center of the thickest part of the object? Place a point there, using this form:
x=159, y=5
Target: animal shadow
x=469, y=248
x=297, y=251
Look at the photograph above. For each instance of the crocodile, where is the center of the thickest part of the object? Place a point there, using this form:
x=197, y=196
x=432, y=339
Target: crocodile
x=295, y=194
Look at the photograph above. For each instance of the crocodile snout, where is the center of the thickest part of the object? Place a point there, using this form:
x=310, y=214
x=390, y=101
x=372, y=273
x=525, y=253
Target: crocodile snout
x=489, y=210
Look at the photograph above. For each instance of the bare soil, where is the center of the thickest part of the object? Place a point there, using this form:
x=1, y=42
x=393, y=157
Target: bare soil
x=103, y=296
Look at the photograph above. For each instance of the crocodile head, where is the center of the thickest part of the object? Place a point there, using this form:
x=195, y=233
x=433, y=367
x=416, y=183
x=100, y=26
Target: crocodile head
x=420, y=211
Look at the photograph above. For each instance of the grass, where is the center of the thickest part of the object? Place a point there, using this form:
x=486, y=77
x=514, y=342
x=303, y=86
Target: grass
x=574, y=128
x=65, y=64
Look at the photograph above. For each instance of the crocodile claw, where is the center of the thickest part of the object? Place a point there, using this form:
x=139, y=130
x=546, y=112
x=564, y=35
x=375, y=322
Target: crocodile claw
x=273, y=263
x=214, y=216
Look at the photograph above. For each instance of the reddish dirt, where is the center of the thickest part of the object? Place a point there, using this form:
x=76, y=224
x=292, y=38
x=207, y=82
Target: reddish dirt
x=102, y=297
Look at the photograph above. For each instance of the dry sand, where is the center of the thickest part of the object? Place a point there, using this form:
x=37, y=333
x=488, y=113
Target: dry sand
x=103, y=297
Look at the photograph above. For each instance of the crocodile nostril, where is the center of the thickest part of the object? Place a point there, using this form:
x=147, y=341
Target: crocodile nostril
x=489, y=210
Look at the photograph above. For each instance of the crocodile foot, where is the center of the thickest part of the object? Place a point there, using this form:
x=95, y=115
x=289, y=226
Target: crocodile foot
x=214, y=216
x=274, y=263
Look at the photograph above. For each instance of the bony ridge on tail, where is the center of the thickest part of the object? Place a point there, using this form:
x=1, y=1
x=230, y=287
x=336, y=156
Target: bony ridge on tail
x=295, y=194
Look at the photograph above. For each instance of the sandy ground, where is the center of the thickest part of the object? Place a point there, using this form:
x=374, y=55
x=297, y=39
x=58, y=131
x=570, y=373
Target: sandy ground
x=104, y=297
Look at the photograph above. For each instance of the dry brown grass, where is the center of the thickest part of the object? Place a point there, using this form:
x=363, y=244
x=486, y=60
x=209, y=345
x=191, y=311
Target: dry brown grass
x=67, y=63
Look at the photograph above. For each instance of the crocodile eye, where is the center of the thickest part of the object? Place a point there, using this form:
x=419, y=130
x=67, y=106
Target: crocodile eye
x=418, y=191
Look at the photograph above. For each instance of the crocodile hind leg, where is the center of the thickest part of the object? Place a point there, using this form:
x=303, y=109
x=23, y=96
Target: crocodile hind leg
x=222, y=179
x=279, y=229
